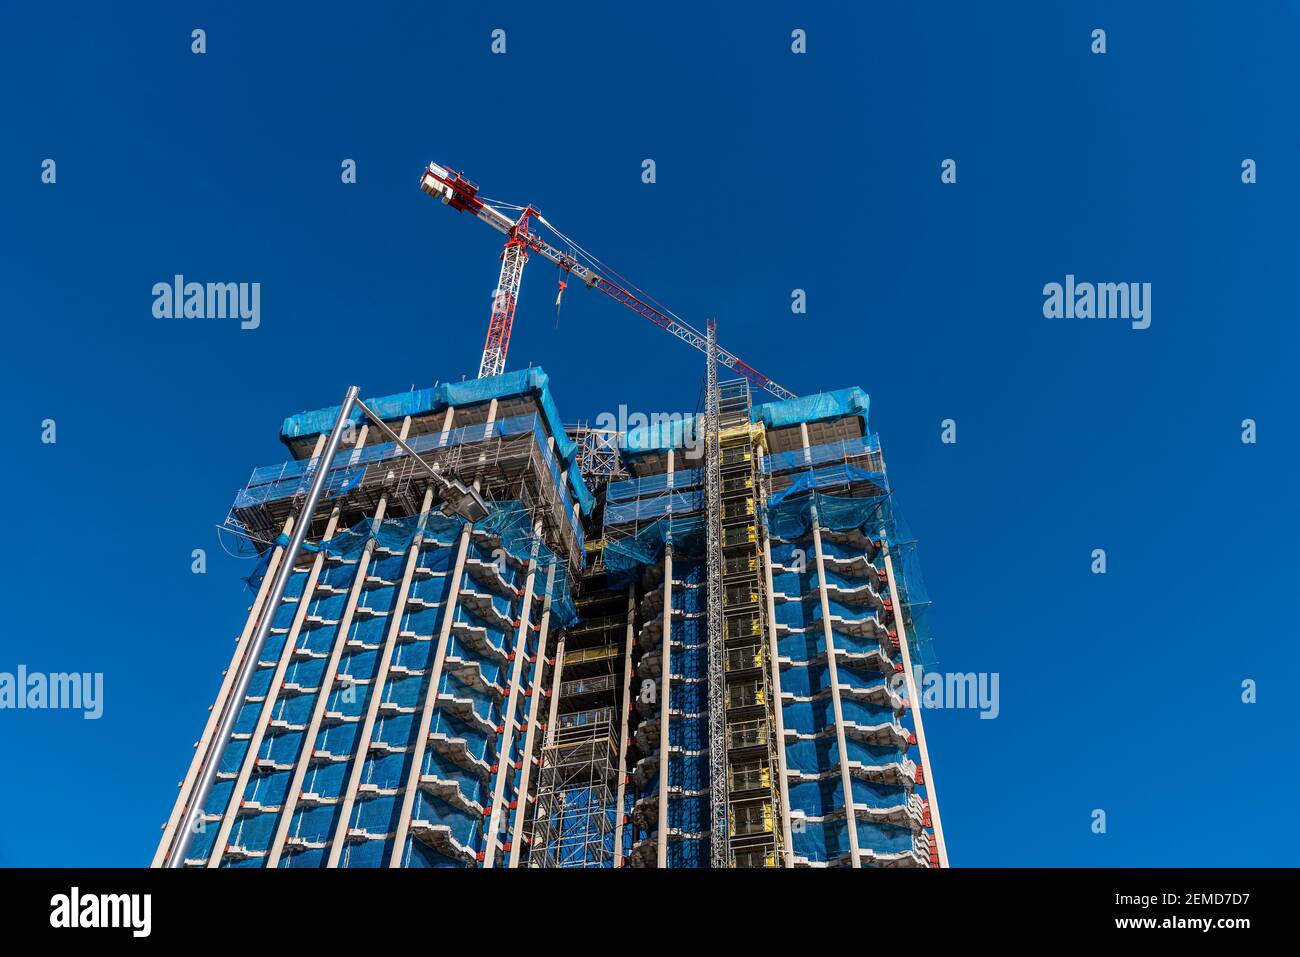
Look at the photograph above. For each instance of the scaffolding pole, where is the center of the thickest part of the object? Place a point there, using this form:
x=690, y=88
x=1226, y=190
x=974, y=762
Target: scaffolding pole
x=720, y=838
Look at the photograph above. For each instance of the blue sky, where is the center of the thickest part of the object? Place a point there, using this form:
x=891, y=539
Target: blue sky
x=775, y=171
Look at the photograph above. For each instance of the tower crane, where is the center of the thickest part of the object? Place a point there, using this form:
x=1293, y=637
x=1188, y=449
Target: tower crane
x=460, y=194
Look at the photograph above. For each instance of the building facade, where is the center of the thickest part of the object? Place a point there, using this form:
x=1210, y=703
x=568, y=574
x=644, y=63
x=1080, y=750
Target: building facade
x=652, y=651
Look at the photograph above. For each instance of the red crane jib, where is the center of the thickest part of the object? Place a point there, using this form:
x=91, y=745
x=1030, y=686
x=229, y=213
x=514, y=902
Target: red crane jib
x=461, y=194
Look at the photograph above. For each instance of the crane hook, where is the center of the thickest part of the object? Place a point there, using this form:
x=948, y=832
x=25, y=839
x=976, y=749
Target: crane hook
x=558, y=297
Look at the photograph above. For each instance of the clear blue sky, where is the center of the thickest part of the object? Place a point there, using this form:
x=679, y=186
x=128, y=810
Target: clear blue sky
x=775, y=172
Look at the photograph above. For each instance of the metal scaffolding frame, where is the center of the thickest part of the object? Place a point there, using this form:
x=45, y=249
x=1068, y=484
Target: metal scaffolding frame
x=719, y=843
x=503, y=468
x=599, y=453
x=574, y=821
x=748, y=745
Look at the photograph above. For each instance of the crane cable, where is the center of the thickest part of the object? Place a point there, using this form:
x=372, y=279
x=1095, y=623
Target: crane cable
x=593, y=261
x=611, y=271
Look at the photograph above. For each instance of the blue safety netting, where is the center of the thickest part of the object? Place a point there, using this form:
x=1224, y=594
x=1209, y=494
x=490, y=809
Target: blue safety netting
x=658, y=506
x=285, y=479
x=838, y=451
x=663, y=432
x=688, y=729
x=579, y=824
x=472, y=695
x=509, y=522
x=423, y=401
x=826, y=795
x=818, y=714
x=393, y=533
x=829, y=476
x=677, y=480
x=534, y=382
x=791, y=520
x=626, y=558
x=813, y=408
x=826, y=841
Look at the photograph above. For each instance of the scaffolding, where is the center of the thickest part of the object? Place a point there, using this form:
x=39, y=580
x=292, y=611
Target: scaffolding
x=600, y=458
x=720, y=852
x=509, y=460
x=574, y=821
x=747, y=745
x=708, y=774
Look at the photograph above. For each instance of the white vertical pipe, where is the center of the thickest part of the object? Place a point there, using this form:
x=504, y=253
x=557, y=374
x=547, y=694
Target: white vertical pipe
x=665, y=691
x=530, y=737
x=331, y=672
x=665, y=694
x=375, y=691
x=915, y=698
x=845, y=777
x=231, y=815
x=621, y=789
x=508, y=721
x=778, y=715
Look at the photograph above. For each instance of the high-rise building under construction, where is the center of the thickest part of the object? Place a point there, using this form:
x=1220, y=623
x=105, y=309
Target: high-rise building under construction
x=480, y=639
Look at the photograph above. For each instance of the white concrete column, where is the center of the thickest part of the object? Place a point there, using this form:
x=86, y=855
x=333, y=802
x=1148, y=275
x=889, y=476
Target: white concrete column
x=348, y=798
x=778, y=715
x=322, y=699
x=303, y=763
x=556, y=675
x=833, y=669
x=421, y=744
x=530, y=737
x=621, y=792
x=507, y=738
x=915, y=698
x=430, y=703
x=665, y=694
x=272, y=694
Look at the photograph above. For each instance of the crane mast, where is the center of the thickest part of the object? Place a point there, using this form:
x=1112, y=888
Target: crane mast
x=504, y=299
x=460, y=194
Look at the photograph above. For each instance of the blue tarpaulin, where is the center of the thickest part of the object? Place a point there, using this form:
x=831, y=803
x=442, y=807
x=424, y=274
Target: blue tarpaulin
x=813, y=408
x=534, y=382
x=664, y=432
x=421, y=401
x=682, y=431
